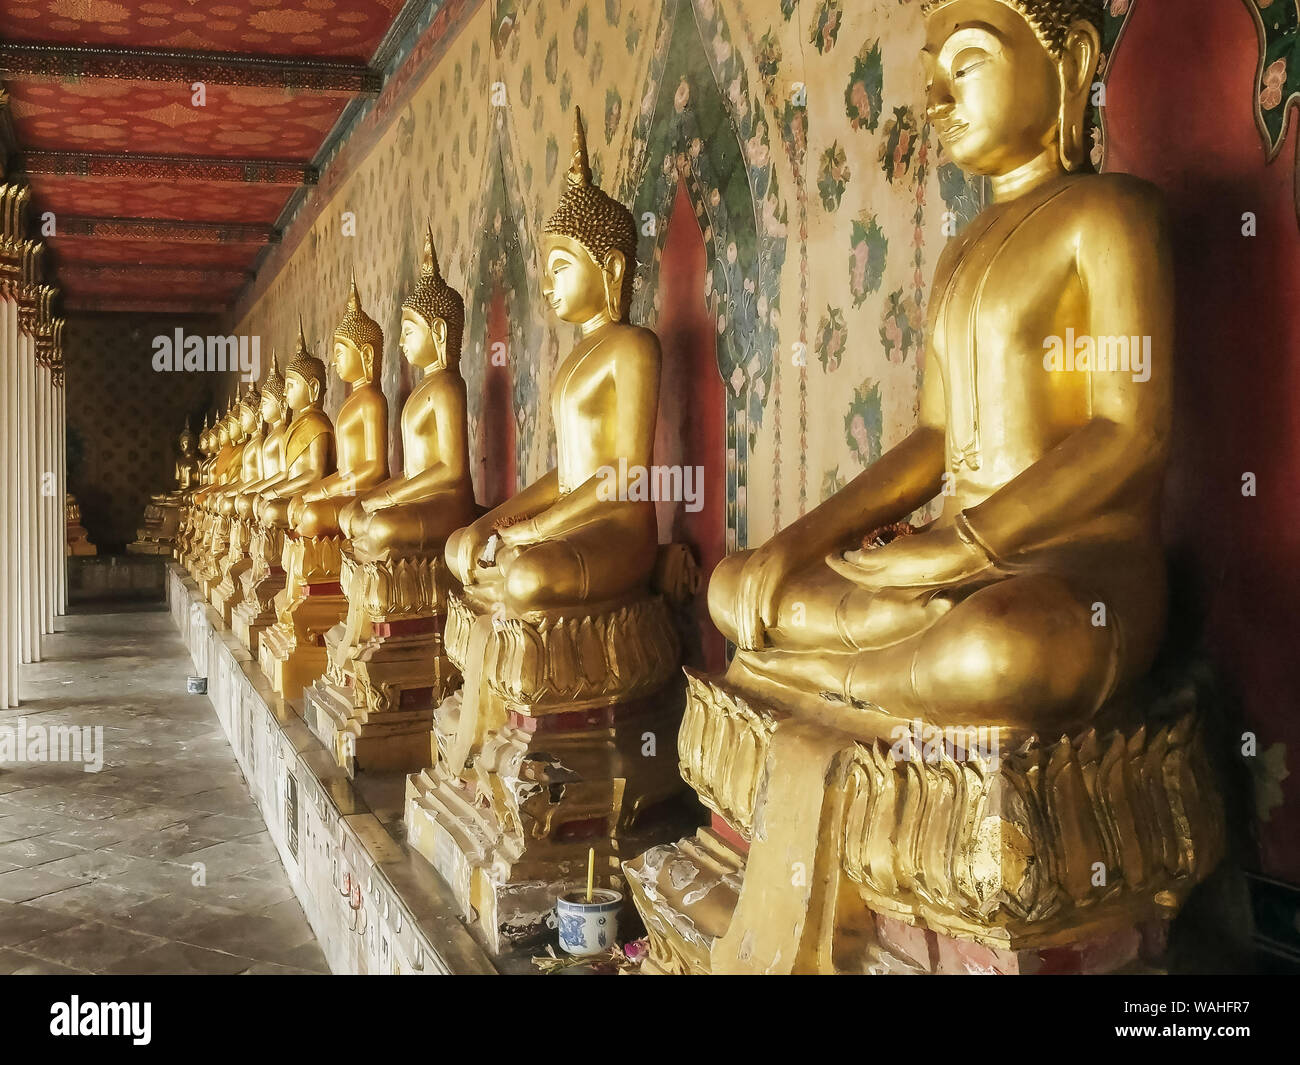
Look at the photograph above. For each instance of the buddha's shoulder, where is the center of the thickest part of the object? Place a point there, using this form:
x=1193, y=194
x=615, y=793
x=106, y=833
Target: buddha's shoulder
x=311, y=423
x=1103, y=196
x=634, y=339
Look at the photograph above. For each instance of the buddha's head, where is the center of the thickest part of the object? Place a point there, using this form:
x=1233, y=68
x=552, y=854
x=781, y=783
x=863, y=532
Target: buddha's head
x=250, y=411
x=1008, y=80
x=186, y=440
x=274, y=406
x=304, y=378
x=433, y=316
x=358, y=342
x=588, y=247
x=223, y=433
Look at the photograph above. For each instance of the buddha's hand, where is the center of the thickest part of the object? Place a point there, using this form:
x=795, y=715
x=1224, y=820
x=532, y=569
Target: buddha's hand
x=473, y=540
x=520, y=534
x=756, y=595
x=926, y=560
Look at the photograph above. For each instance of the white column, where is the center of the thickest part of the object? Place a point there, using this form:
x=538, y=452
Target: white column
x=8, y=363
x=61, y=468
x=41, y=497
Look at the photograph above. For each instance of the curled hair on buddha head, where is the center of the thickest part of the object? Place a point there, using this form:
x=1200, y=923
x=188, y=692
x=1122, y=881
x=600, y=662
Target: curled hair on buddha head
x=273, y=385
x=306, y=365
x=595, y=220
x=433, y=298
x=1049, y=19
x=251, y=401
x=360, y=330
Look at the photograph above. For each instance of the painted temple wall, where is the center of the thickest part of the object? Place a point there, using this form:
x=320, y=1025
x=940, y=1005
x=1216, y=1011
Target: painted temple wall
x=122, y=421
x=822, y=226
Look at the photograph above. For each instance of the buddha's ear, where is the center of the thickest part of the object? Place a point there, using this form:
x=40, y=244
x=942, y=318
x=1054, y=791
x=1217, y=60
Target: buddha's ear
x=439, y=331
x=368, y=360
x=1078, y=67
x=613, y=269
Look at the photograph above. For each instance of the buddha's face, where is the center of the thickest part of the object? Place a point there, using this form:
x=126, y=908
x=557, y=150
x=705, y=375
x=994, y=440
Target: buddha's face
x=993, y=91
x=298, y=392
x=419, y=345
x=187, y=445
x=270, y=408
x=572, y=284
x=348, y=361
x=248, y=419
x=223, y=435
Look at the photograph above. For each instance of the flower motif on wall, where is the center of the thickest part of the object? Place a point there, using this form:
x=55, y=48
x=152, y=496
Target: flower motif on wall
x=613, y=11
x=787, y=8
x=832, y=176
x=768, y=57
x=869, y=247
x=613, y=112
x=864, y=98
x=899, y=144
x=832, y=483
x=863, y=423
x=552, y=66
x=580, y=24
x=826, y=25
x=902, y=328
x=961, y=195
x=831, y=339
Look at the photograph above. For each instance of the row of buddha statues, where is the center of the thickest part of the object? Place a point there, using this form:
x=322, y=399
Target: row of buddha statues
x=524, y=663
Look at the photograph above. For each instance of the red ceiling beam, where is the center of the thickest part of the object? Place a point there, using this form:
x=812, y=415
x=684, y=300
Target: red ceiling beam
x=64, y=61
x=91, y=302
x=169, y=167
x=72, y=274
x=166, y=229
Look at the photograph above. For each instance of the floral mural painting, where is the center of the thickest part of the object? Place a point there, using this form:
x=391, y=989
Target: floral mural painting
x=832, y=176
x=868, y=248
x=831, y=339
x=899, y=144
x=864, y=97
x=864, y=422
x=826, y=25
x=1277, y=86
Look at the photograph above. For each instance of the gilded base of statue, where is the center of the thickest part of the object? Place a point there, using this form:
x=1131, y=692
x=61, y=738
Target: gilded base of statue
x=162, y=523
x=208, y=572
x=263, y=581
x=926, y=851
x=374, y=706
x=292, y=651
x=575, y=714
x=230, y=591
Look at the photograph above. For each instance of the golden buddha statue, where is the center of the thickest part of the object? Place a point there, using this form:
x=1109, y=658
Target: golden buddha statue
x=192, y=532
x=293, y=653
x=261, y=461
x=375, y=703
x=306, y=449
x=1030, y=608
x=563, y=644
x=166, y=510
x=230, y=435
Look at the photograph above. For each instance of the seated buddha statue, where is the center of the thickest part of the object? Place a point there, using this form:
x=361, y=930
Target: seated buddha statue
x=412, y=514
x=308, y=442
x=374, y=705
x=250, y=433
x=1023, y=619
x=562, y=540
x=274, y=413
x=1049, y=478
x=361, y=428
x=166, y=510
x=569, y=655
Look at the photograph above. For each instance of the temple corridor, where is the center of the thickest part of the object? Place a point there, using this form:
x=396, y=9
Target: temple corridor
x=159, y=862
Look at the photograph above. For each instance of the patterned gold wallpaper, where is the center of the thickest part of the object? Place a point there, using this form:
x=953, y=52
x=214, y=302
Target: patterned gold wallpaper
x=124, y=417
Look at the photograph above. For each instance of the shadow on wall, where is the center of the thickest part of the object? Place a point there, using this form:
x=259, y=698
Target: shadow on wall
x=1190, y=127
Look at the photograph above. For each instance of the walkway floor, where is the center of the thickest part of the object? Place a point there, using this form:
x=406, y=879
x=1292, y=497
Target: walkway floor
x=159, y=862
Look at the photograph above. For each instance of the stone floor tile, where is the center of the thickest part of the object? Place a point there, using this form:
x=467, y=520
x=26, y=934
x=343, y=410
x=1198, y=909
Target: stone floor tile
x=93, y=946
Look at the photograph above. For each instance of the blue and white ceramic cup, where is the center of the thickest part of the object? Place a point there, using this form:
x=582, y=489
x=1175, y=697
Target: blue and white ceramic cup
x=588, y=927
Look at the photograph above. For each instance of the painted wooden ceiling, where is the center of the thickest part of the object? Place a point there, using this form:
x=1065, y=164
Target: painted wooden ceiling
x=159, y=194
